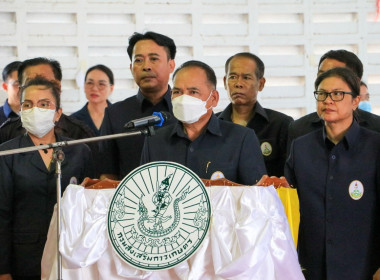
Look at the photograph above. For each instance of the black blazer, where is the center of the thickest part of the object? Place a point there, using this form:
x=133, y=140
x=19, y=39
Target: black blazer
x=27, y=199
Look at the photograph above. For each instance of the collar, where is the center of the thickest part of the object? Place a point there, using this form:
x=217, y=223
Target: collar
x=8, y=110
x=257, y=109
x=316, y=119
x=350, y=136
x=144, y=102
x=213, y=127
x=85, y=107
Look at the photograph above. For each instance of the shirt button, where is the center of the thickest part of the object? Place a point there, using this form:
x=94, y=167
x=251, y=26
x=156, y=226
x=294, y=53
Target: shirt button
x=333, y=157
x=191, y=149
x=329, y=197
x=331, y=177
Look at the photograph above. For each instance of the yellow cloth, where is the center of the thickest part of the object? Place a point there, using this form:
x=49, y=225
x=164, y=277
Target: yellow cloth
x=289, y=199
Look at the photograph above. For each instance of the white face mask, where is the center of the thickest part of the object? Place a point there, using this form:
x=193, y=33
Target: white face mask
x=37, y=122
x=189, y=109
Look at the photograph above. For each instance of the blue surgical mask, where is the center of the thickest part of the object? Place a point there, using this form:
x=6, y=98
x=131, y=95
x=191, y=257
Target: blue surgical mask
x=365, y=106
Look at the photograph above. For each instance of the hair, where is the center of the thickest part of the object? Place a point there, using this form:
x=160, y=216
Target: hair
x=104, y=69
x=210, y=74
x=363, y=84
x=54, y=64
x=346, y=74
x=348, y=58
x=11, y=67
x=46, y=84
x=159, y=39
x=260, y=68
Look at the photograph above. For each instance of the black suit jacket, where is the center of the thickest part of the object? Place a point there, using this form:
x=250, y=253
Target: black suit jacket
x=27, y=199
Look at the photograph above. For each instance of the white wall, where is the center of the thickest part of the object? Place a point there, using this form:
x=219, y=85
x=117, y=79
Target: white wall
x=289, y=35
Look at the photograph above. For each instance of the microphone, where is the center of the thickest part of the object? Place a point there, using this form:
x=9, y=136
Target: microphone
x=157, y=119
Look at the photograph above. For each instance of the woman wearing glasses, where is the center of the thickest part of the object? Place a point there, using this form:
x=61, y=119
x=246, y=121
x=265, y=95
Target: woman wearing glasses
x=98, y=87
x=336, y=171
x=28, y=181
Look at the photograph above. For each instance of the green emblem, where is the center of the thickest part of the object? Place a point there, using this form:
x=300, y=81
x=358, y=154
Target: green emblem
x=356, y=190
x=266, y=148
x=159, y=216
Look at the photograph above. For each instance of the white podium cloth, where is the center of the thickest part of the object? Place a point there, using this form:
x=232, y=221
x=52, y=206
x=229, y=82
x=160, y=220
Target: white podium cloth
x=248, y=238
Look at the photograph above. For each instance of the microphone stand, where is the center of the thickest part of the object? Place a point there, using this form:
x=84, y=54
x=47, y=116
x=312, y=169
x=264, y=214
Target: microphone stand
x=59, y=156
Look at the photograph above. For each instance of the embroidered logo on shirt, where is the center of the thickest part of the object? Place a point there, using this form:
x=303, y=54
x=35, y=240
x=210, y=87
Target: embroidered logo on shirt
x=266, y=148
x=158, y=216
x=356, y=190
x=217, y=175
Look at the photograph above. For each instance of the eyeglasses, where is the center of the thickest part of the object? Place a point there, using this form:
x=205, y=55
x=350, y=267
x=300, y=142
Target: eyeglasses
x=42, y=105
x=336, y=95
x=100, y=85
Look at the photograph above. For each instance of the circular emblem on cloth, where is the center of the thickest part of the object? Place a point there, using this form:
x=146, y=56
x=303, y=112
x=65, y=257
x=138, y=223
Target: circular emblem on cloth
x=158, y=216
x=356, y=190
x=266, y=148
x=217, y=175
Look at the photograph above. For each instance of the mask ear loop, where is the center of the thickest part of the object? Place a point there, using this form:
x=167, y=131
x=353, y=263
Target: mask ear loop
x=208, y=99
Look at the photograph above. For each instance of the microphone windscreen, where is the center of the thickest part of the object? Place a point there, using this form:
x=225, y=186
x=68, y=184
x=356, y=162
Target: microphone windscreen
x=166, y=115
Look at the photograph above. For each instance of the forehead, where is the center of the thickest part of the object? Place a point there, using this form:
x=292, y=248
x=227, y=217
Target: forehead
x=43, y=70
x=332, y=83
x=12, y=76
x=244, y=64
x=330, y=63
x=145, y=47
x=363, y=89
x=97, y=74
x=190, y=77
x=36, y=93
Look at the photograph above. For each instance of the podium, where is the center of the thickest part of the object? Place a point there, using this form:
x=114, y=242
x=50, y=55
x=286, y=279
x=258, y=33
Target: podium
x=249, y=238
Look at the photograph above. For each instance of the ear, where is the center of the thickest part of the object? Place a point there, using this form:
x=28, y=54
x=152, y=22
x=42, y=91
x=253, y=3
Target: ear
x=171, y=65
x=261, y=83
x=112, y=86
x=355, y=102
x=225, y=83
x=57, y=115
x=214, y=98
x=5, y=86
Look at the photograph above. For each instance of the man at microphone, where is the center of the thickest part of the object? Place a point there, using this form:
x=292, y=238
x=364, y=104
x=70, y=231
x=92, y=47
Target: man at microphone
x=152, y=61
x=209, y=146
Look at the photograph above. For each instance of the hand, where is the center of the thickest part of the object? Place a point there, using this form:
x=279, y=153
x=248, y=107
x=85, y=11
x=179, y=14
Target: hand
x=376, y=276
x=273, y=180
x=5, y=277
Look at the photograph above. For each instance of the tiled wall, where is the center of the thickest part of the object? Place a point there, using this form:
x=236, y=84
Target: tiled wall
x=289, y=35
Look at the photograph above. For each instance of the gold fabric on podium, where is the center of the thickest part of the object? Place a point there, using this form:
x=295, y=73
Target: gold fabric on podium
x=289, y=199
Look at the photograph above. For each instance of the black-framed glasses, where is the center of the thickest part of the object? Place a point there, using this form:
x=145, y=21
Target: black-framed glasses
x=42, y=105
x=336, y=95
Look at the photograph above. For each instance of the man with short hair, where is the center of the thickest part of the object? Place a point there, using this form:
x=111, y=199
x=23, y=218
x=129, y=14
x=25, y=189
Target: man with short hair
x=209, y=146
x=243, y=80
x=66, y=126
x=152, y=61
x=311, y=122
x=11, y=107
